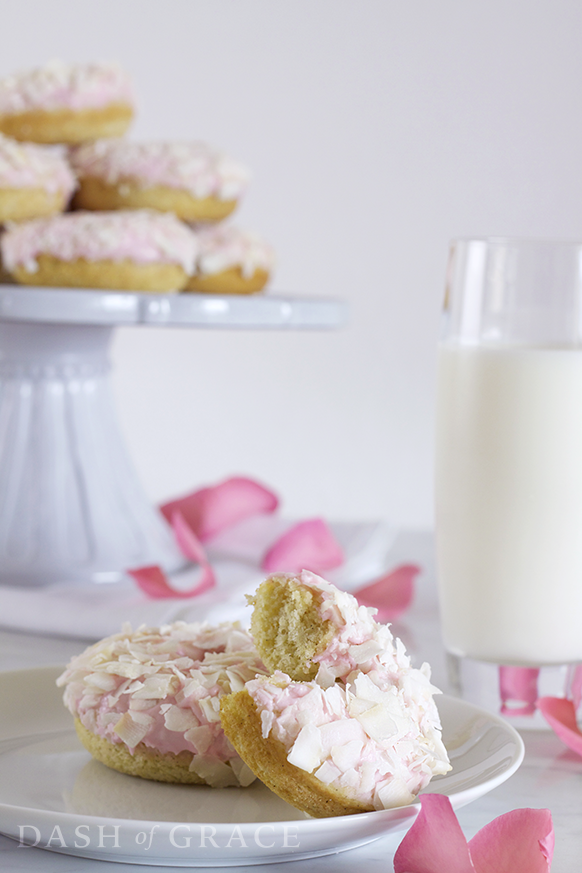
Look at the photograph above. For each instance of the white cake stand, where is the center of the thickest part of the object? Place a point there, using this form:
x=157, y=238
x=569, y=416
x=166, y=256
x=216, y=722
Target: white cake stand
x=71, y=506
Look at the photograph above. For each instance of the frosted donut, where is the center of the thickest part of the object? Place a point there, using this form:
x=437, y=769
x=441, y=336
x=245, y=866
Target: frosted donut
x=193, y=180
x=138, y=250
x=34, y=180
x=230, y=261
x=146, y=702
x=66, y=103
x=362, y=734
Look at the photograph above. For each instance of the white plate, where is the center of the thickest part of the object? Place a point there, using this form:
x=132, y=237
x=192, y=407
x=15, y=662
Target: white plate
x=54, y=795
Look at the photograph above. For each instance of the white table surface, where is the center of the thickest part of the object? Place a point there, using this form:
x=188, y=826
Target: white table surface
x=551, y=775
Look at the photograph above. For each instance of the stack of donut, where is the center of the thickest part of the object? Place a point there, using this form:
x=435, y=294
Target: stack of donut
x=84, y=207
x=319, y=702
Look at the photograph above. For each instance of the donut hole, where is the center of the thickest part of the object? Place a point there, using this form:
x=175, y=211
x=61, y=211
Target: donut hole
x=287, y=627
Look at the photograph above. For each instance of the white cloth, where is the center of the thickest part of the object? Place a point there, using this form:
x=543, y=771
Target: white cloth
x=94, y=610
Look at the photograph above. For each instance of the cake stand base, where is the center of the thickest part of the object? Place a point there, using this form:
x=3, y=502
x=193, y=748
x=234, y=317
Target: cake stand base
x=71, y=506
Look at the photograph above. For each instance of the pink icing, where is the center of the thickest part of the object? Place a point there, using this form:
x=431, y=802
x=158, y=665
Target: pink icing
x=161, y=687
x=225, y=246
x=191, y=166
x=143, y=236
x=58, y=85
x=26, y=165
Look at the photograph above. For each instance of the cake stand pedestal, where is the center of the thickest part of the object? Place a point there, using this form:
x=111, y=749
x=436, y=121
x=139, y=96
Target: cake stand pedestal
x=71, y=505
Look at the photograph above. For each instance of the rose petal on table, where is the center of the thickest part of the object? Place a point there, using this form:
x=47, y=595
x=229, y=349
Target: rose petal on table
x=307, y=545
x=521, y=841
x=156, y=585
x=560, y=714
x=216, y=507
x=435, y=843
x=391, y=594
x=187, y=541
x=576, y=687
x=518, y=690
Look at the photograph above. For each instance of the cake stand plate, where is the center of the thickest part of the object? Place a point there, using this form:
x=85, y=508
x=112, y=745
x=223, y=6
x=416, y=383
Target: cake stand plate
x=71, y=505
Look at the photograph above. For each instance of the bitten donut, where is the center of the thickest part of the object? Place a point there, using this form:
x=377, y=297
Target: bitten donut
x=351, y=726
x=138, y=250
x=146, y=702
x=230, y=261
x=66, y=103
x=34, y=180
x=193, y=180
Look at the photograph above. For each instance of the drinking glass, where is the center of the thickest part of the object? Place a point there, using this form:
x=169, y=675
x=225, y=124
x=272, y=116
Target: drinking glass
x=509, y=470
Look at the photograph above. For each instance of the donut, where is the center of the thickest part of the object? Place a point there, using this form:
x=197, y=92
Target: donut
x=193, y=180
x=230, y=261
x=35, y=180
x=146, y=702
x=138, y=250
x=350, y=726
x=66, y=103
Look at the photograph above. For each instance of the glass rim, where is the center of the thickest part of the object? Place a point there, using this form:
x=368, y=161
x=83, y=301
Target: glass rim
x=517, y=241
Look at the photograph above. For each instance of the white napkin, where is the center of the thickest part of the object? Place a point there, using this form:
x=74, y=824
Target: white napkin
x=94, y=610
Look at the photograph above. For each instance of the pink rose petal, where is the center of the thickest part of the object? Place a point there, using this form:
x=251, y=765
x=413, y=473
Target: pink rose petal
x=576, y=687
x=521, y=841
x=308, y=544
x=435, y=843
x=561, y=716
x=518, y=689
x=212, y=509
x=152, y=581
x=155, y=584
x=391, y=594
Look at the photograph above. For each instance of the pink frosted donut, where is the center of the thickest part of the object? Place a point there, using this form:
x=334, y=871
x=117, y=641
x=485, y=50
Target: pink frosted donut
x=66, y=103
x=146, y=702
x=138, y=250
x=350, y=726
x=34, y=180
x=231, y=261
x=193, y=180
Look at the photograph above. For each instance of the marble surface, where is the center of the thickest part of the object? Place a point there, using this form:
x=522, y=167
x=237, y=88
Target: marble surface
x=551, y=775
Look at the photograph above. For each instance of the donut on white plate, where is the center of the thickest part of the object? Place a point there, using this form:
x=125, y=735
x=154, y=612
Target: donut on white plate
x=146, y=702
x=349, y=726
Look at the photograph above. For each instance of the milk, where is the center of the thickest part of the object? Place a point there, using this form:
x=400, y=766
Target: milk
x=509, y=503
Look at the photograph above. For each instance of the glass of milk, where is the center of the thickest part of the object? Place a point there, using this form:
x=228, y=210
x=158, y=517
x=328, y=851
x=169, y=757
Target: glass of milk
x=509, y=469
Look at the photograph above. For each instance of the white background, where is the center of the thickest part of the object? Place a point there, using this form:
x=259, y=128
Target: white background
x=376, y=130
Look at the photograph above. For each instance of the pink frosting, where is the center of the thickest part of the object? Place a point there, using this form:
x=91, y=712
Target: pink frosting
x=161, y=687
x=224, y=246
x=191, y=166
x=58, y=85
x=143, y=236
x=26, y=165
